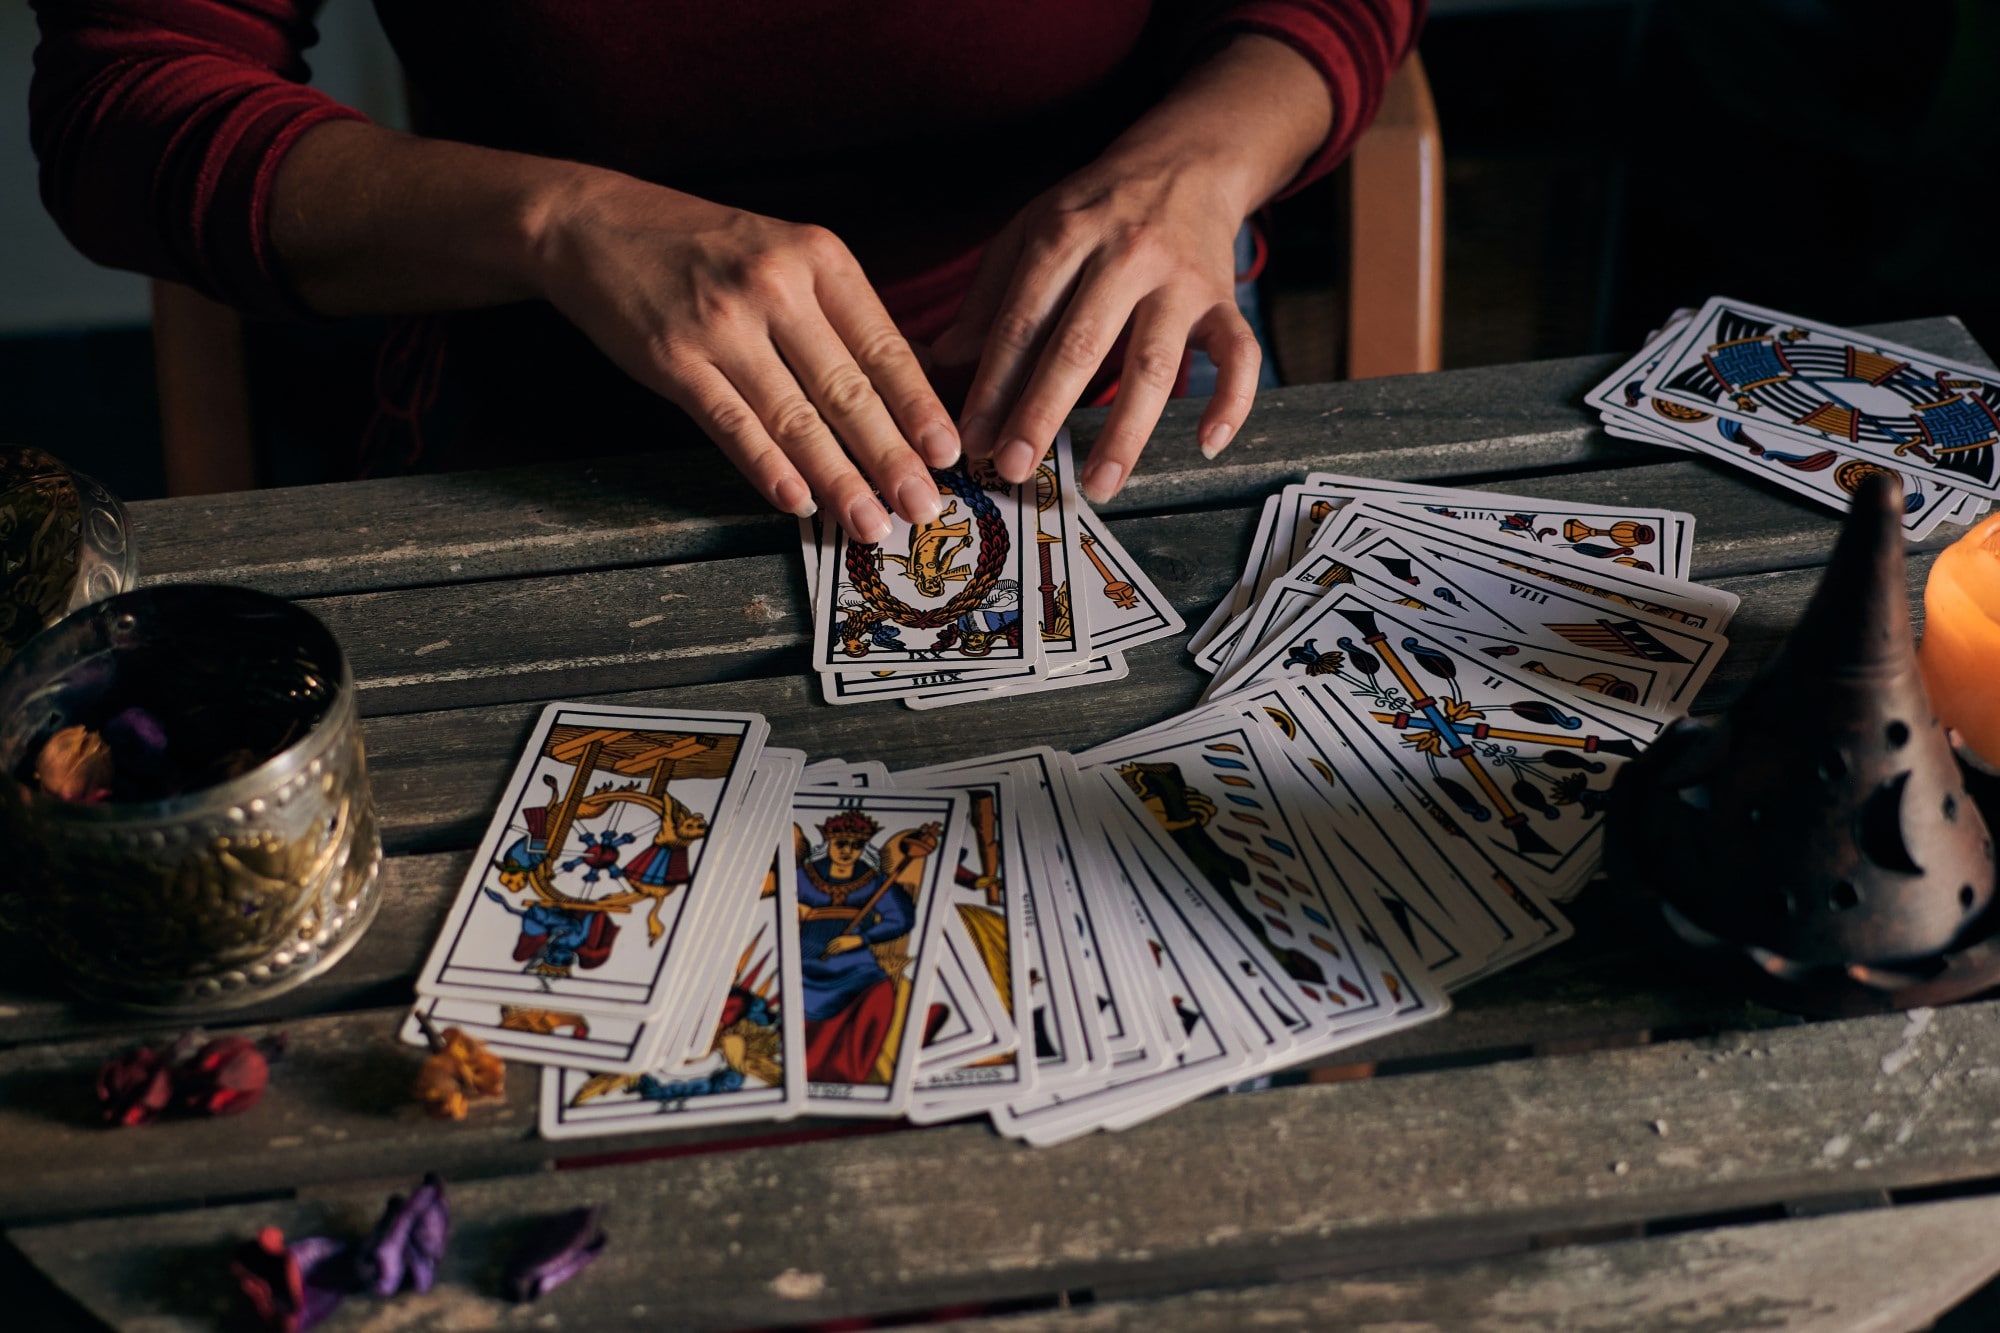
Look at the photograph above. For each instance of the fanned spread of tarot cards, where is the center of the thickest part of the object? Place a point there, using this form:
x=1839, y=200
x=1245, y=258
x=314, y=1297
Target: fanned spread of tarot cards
x=1420, y=698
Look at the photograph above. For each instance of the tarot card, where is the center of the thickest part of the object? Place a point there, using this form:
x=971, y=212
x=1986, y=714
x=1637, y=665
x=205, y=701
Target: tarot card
x=1057, y=551
x=990, y=898
x=1260, y=980
x=538, y=1036
x=715, y=925
x=1612, y=647
x=1122, y=607
x=1798, y=380
x=944, y=593
x=1207, y=1055
x=1240, y=595
x=1097, y=671
x=1693, y=604
x=542, y=916
x=1657, y=540
x=871, y=867
x=965, y=1018
x=1209, y=788
x=753, y=1067
x=1827, y=475
x=1528, y=771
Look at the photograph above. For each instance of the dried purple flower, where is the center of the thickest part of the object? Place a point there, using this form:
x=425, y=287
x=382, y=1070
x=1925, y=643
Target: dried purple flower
x=134, y=1087
x=408, y=1243
x=326, y=1276
x=558, y=1250
x=138, y=749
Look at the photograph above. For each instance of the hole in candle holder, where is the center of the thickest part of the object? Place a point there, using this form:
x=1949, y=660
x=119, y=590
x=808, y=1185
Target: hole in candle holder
x=1897, y=734
x=1882, y=839
x=1845, y=897
x=1832, y=768
x=1950, y=808
x=1967, y=896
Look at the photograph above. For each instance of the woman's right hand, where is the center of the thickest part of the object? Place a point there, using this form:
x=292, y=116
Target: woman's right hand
x=767, y=333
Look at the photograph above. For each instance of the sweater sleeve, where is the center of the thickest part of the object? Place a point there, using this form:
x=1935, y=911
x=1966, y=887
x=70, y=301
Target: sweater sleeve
x=1356, y=45
x=159, y=126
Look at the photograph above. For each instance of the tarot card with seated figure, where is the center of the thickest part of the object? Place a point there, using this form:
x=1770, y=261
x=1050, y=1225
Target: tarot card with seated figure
x=870, y=878
x=580, y=893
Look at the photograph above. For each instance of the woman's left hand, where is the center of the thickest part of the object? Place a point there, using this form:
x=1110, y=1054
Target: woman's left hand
x=1140, y=243
x=1146, y=243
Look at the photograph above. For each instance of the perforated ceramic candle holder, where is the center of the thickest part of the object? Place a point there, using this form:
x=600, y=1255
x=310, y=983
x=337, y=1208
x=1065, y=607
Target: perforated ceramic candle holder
x=255, y=867
x=1818, y=841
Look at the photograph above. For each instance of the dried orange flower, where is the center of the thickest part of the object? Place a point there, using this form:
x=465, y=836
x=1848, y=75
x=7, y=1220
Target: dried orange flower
x=458, y=1072
x=75, y=765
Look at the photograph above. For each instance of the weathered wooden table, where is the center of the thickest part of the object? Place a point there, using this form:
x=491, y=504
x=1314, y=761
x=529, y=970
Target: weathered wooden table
x=1591, y=1140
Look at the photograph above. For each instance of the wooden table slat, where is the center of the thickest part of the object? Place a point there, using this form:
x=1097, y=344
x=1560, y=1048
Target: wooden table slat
x=1794, y=1276
x=568, y=516
x=1355, y=1175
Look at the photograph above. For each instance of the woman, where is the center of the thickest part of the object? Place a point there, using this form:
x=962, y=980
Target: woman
x=1041, y=195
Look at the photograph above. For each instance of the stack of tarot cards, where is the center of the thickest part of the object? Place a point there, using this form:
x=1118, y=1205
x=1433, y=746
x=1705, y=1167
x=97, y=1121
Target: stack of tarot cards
x=1814, y=408
x=1010, y=590
x=1494, y=655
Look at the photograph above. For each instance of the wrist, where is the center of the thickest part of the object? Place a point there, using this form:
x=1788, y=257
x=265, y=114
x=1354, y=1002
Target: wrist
x=555, y=206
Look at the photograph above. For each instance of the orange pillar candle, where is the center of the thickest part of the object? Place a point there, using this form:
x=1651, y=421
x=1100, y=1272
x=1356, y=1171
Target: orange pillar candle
x=1961, y=650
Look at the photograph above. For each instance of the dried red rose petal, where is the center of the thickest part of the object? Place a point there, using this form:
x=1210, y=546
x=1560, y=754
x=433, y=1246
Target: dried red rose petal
x=133, y=1088
x=225, y=1077
x=269, y=1278
x=557, y=1251
x=292, y=1287
x=408, y=1243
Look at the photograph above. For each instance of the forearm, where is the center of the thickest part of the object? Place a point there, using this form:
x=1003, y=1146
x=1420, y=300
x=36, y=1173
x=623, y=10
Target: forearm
x=1250, y=117
x=366, y=220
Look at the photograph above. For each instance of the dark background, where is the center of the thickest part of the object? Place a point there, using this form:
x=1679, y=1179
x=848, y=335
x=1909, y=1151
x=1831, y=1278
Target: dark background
x=1606, y=161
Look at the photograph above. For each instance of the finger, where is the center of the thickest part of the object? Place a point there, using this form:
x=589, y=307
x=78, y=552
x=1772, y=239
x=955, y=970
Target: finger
x=708, y=396
x=1037, y=291
x=895, y=376
x=960, y=343
x=849, y=405
x=1230, y=343
x=796, y=427
x=1153, y=356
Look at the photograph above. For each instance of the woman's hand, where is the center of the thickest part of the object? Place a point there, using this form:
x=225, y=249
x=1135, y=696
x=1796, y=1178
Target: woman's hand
x=1143, y=249
x=765, y=332
x=1140, y=243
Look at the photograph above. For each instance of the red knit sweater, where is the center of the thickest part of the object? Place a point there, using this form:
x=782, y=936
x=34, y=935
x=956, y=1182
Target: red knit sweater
x=912, y=128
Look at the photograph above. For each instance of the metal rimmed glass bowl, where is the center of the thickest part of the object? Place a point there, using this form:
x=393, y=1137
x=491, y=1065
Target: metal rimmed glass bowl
x=253, y=864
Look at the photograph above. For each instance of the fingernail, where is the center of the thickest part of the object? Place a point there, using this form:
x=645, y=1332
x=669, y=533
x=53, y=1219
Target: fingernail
x=1016, y=461
x=1216, y=438
x=1101, y=481
x=939, y=446
x=792, y=496
x=976, y=435
x=917, y=499
x=867, y=520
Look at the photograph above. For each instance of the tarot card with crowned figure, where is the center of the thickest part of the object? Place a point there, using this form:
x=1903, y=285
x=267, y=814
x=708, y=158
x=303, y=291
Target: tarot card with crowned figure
x=579, y=895
x=871, y=868
x=938, y=594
